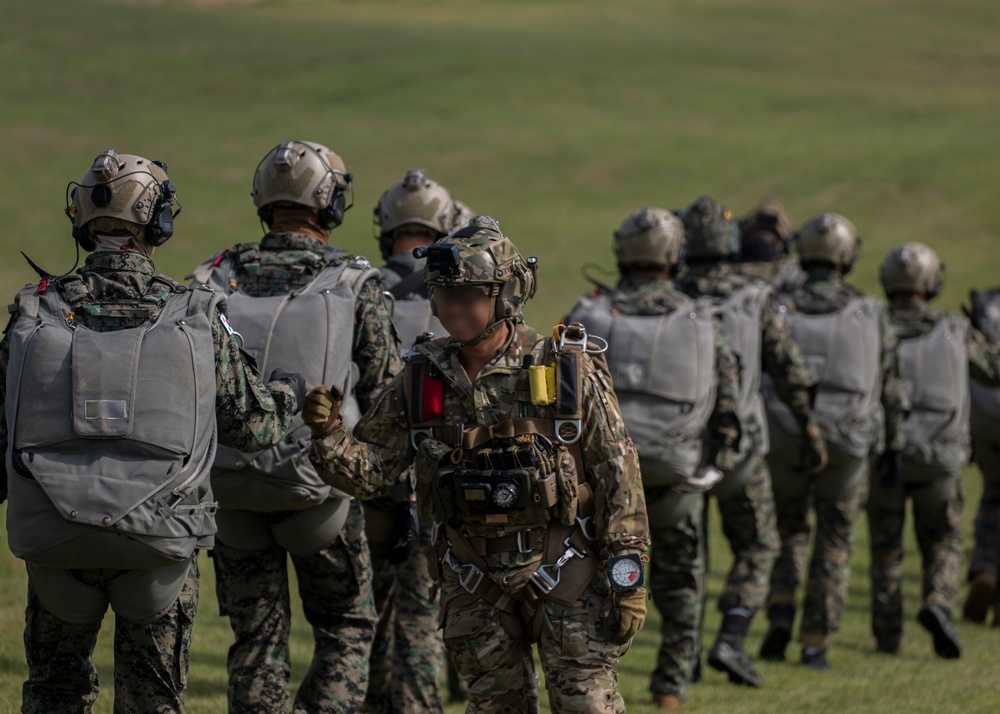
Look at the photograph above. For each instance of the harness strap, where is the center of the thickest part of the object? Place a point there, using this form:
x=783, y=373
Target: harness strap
x=520, y=542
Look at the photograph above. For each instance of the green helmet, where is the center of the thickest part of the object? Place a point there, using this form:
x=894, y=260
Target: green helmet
x=711, y=230
x=122, y=194
x=302, y=173
x=649, y=237
x=828, y=238
x=912, y=268
x=479, y=255
x=414, y=201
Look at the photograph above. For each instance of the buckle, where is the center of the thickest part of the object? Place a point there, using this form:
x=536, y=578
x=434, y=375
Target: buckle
x=427, y=432
x=523, y=544
x=563, y=340
x=574, y=424
x=543, y=581
x=571, y=552
x=466, y=573
x=436, y=531
x=584, y=524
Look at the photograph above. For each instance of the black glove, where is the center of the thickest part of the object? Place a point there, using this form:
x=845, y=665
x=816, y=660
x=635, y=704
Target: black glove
x=404, y=537
x=295, y=381
x=889, y=465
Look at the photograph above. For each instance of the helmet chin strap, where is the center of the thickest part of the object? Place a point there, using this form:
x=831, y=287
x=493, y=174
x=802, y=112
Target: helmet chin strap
x=457, y=346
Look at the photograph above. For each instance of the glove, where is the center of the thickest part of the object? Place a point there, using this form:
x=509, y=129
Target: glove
x=321, y=412
x=404, y=536
x=629, y=608
x=814, y=454
x=295, y=381
x=704, y=479
x=889, y=465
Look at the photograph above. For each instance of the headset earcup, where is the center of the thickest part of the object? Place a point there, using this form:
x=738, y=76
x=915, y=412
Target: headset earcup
x=265, y=214
x=82, y=237
x=333, y=214
x=161, y=228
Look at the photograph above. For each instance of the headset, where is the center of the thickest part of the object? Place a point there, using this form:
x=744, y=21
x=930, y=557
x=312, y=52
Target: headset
x=331, y=215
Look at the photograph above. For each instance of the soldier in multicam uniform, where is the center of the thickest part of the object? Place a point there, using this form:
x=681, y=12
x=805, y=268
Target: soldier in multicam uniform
x=659, y=340
x=524, y=464
x=939, y=353
x=984, y=565
x=407, y=652
x=850, y=346
x=766, y=235
x=96, y=444
x=762, y=340
x=299, y=302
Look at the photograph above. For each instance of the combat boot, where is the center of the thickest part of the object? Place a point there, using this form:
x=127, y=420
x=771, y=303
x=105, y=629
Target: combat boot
x=727, y=654
x=815, y=658
x=666, y=701
x=779, y=634
x=937, y=621
x=980, y=598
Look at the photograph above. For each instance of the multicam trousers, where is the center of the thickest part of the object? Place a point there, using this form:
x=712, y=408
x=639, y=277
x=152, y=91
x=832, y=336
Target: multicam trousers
x=835, y=495
x=937, y=521
x=151, y=660
x=335, y=585
x=677, y=582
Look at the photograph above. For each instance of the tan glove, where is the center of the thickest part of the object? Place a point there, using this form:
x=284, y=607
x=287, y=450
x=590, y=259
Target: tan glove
x=631, y=610
x=814, y=454
x=321, y=412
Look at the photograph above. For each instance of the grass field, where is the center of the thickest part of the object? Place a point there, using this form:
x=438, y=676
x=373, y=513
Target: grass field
x=558, y=118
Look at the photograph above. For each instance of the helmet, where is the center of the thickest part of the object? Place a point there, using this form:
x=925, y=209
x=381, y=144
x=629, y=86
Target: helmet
x=912, y=268
x=828, y=238
x=302, y=173
x=766, y=232
x=649, y=237
x=122, y=193
x=480, y=255
x=416, y=200
x=712, y=231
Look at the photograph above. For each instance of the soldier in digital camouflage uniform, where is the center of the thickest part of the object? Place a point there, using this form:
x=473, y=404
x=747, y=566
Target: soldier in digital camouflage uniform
x=648, y=248
x=121, y=210
x=984, y=565
x=300, y=190
x=850, y=347
x=525, y=466
x=762, y=340
x=408, y=651
x=940, y=352
x=766, y=236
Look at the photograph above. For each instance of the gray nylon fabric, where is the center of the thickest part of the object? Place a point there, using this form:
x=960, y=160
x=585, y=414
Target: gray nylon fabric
x=663, y=367
x=138, y=596
x=843, y=352
x=413, y=317
x=126, y=491
x=309, y=331
x=936, y=370
x=741, y=314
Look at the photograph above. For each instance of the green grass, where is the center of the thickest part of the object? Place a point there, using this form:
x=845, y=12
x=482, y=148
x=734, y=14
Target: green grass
x=558, y=118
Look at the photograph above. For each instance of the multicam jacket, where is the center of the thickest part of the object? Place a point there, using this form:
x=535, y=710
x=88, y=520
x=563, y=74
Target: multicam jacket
x=380, y=450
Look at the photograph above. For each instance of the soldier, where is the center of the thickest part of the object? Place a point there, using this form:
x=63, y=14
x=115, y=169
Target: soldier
x=407, y=652
x=762, y=341
x=524, y=464
x=300, y=302
x=682, y=417
x=108, y=474
x=939, y=353
x=984, y=565
x=851, y=349
x=766, y=235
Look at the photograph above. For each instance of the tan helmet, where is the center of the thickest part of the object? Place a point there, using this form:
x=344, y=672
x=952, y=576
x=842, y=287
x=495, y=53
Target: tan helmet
x=414, y=201
x=123, y=193
x=480, y=255
x=828, y=238
x=649, y=238
x=912, y=268
x=302, y=173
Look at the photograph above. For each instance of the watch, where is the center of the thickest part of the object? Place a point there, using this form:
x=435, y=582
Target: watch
x=626, y=572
